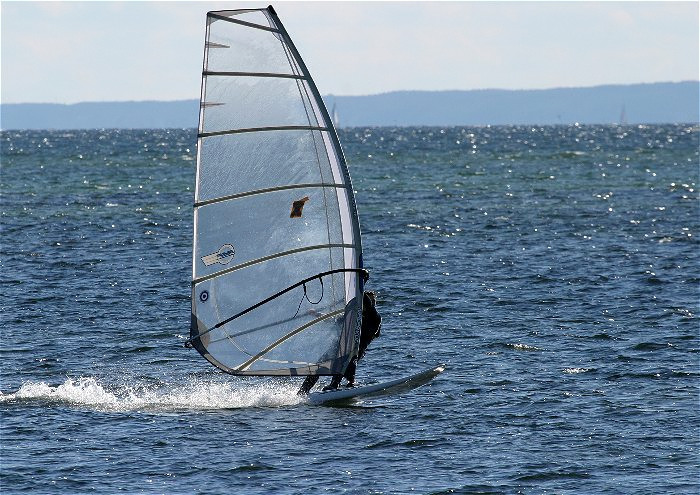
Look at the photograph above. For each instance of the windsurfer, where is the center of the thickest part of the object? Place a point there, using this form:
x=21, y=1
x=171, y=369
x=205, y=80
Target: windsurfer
x=371, y=328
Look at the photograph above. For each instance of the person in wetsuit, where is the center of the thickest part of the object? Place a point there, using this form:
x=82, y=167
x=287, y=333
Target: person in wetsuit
x=371, y=328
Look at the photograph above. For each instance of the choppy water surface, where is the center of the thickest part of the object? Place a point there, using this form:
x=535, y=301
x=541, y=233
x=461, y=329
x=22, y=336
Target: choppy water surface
x=555, y=270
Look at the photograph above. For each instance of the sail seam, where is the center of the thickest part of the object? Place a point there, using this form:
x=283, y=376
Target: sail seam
x=291, y=334
x=303, y=87
x=268, y=258
x=266, y=190
x=309, y=110
x=303, y=92
x=252, y=74
x=243, y=23
x=261, y=129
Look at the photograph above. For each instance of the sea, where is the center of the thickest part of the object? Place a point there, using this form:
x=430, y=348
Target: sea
x=554, y=270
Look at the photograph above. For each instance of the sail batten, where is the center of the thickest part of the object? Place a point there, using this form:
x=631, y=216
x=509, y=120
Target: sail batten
x=263, y=191
x=270, y=257
x=261, y=129
x=252, y=74
x=277, y=256
x=242, y=23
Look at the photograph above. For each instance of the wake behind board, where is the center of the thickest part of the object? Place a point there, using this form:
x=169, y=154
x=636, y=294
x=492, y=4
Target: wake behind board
x=378, y=389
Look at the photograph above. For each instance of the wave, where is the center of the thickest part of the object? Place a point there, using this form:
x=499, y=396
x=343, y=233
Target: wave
x=196, y=394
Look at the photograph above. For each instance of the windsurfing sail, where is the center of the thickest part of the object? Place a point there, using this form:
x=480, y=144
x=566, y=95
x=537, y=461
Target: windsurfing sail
x=277, y=259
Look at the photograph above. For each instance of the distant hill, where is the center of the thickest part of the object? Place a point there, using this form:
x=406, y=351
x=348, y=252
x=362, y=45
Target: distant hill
x=98, y=115
x=634, y=103
x=642, y=103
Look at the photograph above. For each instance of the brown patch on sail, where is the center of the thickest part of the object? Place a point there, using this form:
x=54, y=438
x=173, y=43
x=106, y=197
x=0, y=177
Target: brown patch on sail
x=297, y=207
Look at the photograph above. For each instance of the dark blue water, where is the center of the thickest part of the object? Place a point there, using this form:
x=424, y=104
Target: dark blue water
x=555, y=270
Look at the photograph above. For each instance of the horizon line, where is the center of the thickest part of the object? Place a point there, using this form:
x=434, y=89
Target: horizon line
x=376, y=94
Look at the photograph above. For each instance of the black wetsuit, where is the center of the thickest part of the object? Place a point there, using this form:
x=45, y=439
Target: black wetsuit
x=371, y=328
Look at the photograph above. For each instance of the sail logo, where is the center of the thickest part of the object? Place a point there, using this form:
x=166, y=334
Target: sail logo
x=222, y=256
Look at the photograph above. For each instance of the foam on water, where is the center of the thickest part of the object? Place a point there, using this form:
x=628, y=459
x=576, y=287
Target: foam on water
x=196, y=394
x=574, y=371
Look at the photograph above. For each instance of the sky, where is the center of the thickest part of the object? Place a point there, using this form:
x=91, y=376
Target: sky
x=68, y=52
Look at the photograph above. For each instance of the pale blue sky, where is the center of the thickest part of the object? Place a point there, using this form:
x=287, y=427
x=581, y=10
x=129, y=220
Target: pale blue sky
x=66, y=52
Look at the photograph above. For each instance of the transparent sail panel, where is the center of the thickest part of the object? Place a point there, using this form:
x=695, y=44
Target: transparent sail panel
x=262, y=225
x=314, y=108
x=239, y=163
x=294, y=315
x=273, y=207
x=238, y=48
x=242, y=102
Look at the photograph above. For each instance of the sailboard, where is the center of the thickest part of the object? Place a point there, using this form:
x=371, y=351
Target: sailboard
x=397, y=386
x=277, y=275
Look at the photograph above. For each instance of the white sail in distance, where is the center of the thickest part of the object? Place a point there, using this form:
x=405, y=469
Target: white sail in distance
x=277, y=258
